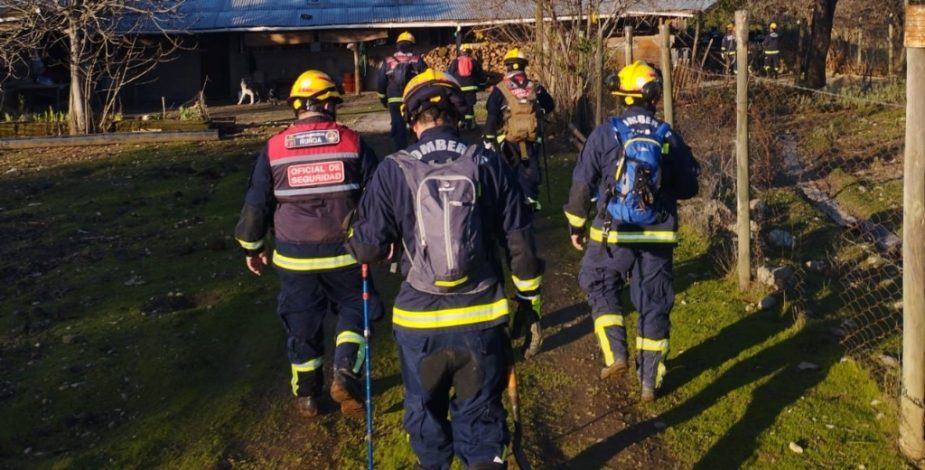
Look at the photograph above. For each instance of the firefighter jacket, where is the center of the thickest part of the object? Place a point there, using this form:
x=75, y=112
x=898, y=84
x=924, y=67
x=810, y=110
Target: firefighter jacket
x=772, y=43
x=728, y=45
x=387, y=216
x=388, y=84
x=472, y=82
x=497, y=103
x=593, y=178
x=306, y=184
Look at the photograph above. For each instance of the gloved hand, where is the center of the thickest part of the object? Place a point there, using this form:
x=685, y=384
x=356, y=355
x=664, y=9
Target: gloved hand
x=577, y=235
x=527, y=323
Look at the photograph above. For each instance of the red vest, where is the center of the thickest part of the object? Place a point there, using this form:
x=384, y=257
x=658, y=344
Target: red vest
x=315, y=161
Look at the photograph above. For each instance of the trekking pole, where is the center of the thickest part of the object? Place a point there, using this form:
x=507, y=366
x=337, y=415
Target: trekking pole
x=517, y=440
x=369, y=381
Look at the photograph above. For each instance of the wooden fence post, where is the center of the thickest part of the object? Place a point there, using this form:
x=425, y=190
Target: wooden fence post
x=744, y=264
x=696, y=45
x=889, y=49
x=912, y=414
x=599, y=73
x=860, y=50
x=628, y=45
x=540, y=37
x=665, y=33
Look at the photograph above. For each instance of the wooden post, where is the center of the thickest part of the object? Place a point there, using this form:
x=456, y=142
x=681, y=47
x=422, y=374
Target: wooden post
x=357, y=80
x=912, y=414
x=744, y=267
x=696, y=44
x=665, y=33
x=540, y=37
x=599, y=73
x=860, y=50
x=628, y=45
x=889, y=49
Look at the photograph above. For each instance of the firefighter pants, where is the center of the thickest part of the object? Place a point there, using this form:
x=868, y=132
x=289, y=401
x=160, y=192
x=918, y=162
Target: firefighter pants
x=649, y=272
x=772, y=64
x=471, y=99
x=527, y=169
x=304, y=299
x=470, y=423
x=399, y=130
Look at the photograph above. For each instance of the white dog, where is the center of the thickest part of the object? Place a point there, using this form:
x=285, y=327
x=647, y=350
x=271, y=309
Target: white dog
x=246, y=90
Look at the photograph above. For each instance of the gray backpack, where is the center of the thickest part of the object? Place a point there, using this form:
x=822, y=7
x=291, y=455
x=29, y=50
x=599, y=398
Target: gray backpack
x=449, y=246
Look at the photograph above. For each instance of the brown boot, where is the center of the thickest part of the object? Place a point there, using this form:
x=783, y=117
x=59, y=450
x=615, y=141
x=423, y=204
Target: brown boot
x=648, y=394
x=307, y=406
x=618, y=367
x=346, y=390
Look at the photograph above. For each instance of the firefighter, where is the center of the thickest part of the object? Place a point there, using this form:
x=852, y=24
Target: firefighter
x=516, y=109
x=728, y=49
x=449, y=203
x=394, y=73
x=772, y=51
x=468, y=72
x=636, y=167
x=306, y=184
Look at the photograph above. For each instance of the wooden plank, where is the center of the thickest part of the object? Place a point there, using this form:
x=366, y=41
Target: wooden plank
x=108, y=139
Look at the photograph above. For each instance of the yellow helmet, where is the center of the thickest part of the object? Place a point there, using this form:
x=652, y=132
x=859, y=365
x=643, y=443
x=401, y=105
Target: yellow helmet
x=516, y=59
x=773, y=25
x=730, y=27
x=313, y=86
x=405, y=37
x=431, y=88
x=639, y=80
x=465, y=47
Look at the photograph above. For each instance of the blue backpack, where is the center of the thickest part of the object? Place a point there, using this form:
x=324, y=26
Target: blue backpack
x=639, y=174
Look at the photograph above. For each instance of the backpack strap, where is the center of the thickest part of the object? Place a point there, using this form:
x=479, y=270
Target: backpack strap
x=661, y=134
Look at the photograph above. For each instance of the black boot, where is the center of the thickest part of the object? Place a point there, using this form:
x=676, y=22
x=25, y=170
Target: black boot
x=347, y=391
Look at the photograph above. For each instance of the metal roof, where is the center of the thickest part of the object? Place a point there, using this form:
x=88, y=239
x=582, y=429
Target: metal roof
x=282, y=15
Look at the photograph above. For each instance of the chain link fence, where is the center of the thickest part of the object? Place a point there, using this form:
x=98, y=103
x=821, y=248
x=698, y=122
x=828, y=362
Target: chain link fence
x=826, y=176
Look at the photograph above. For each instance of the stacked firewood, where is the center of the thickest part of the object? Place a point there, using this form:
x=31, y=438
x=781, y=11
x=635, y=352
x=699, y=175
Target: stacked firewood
x=491, y=54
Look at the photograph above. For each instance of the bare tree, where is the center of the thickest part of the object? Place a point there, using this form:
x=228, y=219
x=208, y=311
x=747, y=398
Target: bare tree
x=109, y=44
x=569, y=40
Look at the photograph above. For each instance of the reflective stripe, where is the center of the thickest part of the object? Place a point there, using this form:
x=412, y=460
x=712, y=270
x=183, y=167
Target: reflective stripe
x=490, y=136
x=641, y=139
x=451, y=283
x=574, y=220
x=312, y=264
x=600, y=323
x=657, y=345
x=527, y=284
x=250, y=245
x=500, y=138
x=451, y=316
x=771, y=52
x=314, y=158
x=646, y=236
x=470, y=88
x=469, y=116
x=320, y=190
x=359, y=340
x=395, y=99
x=303, y=367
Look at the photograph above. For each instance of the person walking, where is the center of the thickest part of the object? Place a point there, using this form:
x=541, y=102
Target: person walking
x=468, y=72
x=449, y=203
x=396, y=71
x=635, y=169
x=772, y=51
x=305, y=185
x=728, y=49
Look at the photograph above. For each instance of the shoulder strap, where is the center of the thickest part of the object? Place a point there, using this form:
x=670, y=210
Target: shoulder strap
x=624, y=133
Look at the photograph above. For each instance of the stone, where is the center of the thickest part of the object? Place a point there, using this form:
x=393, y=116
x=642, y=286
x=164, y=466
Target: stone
x=888, y=361
x=68, y=339
x=796, y=448
x=768, y=302
x=807, y=366
x=660, y=425
x=774, y=276
x=781, y=238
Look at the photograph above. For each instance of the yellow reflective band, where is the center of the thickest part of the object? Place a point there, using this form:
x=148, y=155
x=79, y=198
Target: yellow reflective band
x=574, y=220
x=250, y=245
x=500, y=138
x=452, y=316
x=527, y=284
x=771, y=52
x=395, y=99
x=657, y=345
x=646, y=236
x=665, y=148
x=640, y=139
x=303, y=367
x=470, y=88
x=351, y=337
x=451, y=283
x=610, y=319
x=312, y=264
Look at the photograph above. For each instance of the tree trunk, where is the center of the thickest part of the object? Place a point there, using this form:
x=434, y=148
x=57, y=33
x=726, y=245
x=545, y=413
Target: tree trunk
x=77, y=113
x=817, y=47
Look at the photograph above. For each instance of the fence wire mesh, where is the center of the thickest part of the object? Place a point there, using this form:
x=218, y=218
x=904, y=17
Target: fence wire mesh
x=826, y=176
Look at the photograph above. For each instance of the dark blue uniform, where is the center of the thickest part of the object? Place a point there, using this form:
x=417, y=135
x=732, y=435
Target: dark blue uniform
x=391, y=88
x=306, y=183
x=641, y=253
x=454, y=341
x=527, y=167
x=772, y=54
x=470, y=78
